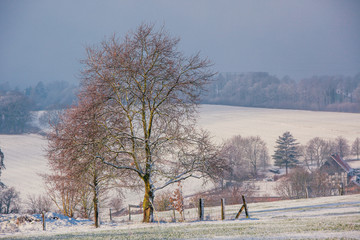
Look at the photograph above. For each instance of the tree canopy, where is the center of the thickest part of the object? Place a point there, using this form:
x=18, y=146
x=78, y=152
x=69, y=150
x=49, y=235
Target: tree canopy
x=286, y=151
x=146, y=93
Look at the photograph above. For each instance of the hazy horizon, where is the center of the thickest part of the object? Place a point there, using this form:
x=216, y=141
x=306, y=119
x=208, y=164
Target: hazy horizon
x=45, y=40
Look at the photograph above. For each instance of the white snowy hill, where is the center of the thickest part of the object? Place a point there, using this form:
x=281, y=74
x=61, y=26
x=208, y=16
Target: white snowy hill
x=24, y=161
x=226, y=121
x=25, y=154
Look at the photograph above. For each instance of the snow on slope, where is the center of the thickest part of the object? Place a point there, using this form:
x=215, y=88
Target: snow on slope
x=24, y=160
x=25, y=155
x=335, y=217
x=226, y=121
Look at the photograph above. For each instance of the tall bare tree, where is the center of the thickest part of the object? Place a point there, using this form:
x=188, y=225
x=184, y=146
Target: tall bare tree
x=233, y=151
x=149, y=92
x=256, y=154
x=244, y=156
x=341, y=146
x=316, y=153
x=75, y=145
x=355, y=148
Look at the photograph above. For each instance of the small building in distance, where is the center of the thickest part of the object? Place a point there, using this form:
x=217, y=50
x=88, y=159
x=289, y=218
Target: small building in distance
x=341, y=175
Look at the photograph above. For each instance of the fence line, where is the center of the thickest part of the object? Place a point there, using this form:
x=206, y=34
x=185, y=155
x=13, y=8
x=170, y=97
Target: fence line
x=219, y=212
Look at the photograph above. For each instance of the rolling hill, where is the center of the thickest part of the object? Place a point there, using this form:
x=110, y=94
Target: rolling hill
x=25, y=154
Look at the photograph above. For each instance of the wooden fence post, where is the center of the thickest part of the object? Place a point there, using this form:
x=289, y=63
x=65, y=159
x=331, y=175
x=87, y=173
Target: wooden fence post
x=43, y=220
x=341, y=189
x=223, y=209
x=243, y=207
x=174, y=218
x=201, y=209
x=129, y=213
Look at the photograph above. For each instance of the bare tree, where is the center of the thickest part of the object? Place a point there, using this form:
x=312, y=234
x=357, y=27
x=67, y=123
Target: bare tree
x=38, y=204
x=50, y=118
x=116, y=202
x=355, y=148
x=147, y=92
x=316, y=153
x=341, y=146
x=256, y=154
x=233, y=154
x=76, y=145
x=9, y=200
x=63, y=191
x=244, y=157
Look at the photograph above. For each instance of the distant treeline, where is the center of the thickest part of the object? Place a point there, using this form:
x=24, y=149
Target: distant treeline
x=260, y=89
x=325, y=93
x=16, y=105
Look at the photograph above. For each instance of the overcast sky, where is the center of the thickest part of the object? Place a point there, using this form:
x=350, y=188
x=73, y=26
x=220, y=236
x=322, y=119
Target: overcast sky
x=43, y=40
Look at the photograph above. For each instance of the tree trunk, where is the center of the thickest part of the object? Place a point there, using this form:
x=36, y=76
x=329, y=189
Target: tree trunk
x=96, y=211
x=148, y=202
x=96, y=201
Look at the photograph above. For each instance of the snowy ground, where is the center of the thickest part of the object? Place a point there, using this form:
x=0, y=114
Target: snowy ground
x=24, y=161
x=226, y=121
x=321, y=218
x=25, y=156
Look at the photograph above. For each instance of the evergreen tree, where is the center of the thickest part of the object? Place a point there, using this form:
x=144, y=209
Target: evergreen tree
x=286, y=152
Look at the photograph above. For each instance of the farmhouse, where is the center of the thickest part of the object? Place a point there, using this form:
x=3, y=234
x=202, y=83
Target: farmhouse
x=341, y=173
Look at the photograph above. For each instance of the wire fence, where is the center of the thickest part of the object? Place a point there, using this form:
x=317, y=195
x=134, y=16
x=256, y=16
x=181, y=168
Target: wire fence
x=191, y=213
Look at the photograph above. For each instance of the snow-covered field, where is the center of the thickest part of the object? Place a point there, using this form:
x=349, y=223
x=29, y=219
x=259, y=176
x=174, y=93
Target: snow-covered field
x=321, y=218
x=25, y=156
x=226, y=121
x=314, y=218
x=24, y=160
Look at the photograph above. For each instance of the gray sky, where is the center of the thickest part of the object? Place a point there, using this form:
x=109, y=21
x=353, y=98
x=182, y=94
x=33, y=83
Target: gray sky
x=43, y=40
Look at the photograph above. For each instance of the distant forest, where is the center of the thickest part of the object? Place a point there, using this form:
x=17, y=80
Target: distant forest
x=16, y=106
x=260, y=89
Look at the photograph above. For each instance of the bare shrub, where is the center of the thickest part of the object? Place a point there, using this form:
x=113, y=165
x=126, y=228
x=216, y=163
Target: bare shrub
x=300, y=184
x=177, y=201
x=116, y=203
x=320, y=185
x=38, y=204
x=162, y=201
x=51, y=118
x=295, y=184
